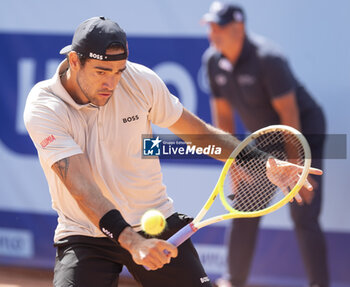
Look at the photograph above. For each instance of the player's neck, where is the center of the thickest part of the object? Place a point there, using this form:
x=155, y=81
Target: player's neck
x=71, y=86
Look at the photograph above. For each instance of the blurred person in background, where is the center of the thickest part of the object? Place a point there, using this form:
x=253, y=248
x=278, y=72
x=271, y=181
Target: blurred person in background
x=249, y=76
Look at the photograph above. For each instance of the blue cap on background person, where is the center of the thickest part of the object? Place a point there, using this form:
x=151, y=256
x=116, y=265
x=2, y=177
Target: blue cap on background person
x=223, y=13
x=94, y=36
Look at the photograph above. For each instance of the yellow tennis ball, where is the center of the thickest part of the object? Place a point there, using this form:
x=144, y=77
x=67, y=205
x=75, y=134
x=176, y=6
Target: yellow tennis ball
x=153, y=222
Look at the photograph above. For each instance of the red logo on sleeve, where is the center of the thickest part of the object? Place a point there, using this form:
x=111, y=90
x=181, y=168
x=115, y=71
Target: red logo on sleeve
x=47, y=141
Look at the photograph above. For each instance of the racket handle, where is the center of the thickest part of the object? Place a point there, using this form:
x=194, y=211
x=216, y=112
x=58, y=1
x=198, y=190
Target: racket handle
x=180, y=237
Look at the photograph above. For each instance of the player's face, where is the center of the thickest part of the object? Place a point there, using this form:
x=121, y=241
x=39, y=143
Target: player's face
x=97, y=79
x=225, y=38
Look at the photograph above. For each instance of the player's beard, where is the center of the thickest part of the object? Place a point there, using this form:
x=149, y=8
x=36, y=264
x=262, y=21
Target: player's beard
x=92, y=99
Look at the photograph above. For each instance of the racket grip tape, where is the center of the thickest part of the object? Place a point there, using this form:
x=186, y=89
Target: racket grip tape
x=182, y=235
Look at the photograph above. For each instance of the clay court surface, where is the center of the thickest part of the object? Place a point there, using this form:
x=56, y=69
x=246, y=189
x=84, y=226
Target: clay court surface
x=24, y=277
x=20, y=277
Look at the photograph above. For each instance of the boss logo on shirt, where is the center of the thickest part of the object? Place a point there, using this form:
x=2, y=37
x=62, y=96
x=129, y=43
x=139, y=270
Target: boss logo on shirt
x=130, y=119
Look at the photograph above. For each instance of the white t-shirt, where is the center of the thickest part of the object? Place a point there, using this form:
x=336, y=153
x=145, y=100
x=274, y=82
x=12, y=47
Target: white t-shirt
x=60, y=128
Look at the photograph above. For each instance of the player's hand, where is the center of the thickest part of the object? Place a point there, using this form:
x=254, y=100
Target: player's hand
x=147, y=252
x=150, y=253
x=308, y=195
x=278, y=172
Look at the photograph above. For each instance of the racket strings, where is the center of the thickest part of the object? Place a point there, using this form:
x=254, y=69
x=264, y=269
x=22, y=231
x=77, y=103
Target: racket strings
x=247, y=184
x=262, y=199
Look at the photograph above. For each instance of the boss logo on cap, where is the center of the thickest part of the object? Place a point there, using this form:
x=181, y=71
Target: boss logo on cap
x=95, y=56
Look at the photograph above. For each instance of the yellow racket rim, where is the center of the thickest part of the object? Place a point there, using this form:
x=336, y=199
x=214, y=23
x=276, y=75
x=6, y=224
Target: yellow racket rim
x=219, y=186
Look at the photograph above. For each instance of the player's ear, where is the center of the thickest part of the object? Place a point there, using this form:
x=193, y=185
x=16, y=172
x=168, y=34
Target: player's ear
x=74, y=62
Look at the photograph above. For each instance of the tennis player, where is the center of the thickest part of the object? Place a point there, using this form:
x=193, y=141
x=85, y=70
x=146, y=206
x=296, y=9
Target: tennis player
x=87, y=124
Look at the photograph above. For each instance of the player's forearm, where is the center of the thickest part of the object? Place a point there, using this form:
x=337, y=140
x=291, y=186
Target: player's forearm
x=220, y=138
x=93, y=204
x=128, y=238
x=75, y=174
x=192, y=129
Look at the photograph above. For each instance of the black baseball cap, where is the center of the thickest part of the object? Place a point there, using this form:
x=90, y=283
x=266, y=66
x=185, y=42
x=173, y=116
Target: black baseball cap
x=222, y=14
x=94, y=36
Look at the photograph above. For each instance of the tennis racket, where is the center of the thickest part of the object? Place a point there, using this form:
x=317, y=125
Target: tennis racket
x=247, y=188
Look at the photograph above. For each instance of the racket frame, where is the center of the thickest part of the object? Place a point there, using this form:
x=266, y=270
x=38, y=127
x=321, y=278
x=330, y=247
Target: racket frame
x=197, y=223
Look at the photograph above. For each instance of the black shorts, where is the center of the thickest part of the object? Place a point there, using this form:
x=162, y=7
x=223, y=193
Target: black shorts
x=84, y=261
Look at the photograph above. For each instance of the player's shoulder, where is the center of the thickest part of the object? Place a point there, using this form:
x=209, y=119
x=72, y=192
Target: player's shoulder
x=41, y=100
x=265, y=48
x=41, y=94
x=139, y=71
x=140, y=79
